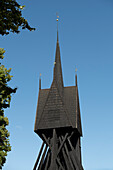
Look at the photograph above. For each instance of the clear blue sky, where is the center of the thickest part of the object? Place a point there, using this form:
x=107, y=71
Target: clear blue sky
x=86, y=42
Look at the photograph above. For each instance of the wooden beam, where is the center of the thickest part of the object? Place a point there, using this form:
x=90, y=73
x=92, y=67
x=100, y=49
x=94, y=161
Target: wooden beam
x=71, y=165
x=42, y=159
x=75, y=157
x=53, y=151
x=62, y=143
x=60, y=164
x=47, y=142
x=36, y=163
x=74, y=161
x=64, y=155
x=48, y=157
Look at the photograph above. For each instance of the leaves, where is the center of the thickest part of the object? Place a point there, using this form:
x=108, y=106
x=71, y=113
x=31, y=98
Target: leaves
x=11, y=17
x=5, y=99
x=2, y=51
x=11, y=20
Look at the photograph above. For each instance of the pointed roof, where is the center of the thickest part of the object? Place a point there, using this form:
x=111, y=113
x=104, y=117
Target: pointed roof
x=54, y=110
x=57, y=75
x=58, y=106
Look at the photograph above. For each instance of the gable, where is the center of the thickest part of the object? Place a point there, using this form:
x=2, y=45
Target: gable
x=54, y=114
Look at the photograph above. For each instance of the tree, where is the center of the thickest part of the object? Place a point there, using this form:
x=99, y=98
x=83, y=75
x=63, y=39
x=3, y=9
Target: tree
x=5, y=99
x=11, y=17
x=11, y=20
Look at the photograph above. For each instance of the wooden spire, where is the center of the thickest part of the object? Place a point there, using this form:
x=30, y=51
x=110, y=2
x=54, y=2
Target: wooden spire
x=58, y=78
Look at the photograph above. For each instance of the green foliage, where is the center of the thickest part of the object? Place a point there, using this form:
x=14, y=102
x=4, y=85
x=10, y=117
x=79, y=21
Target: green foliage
x=5, y=99
x=11, y=17
x=2, y=51
x=11, y=20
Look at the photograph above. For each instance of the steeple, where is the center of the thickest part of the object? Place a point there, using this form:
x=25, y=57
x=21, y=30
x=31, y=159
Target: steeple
x=58, y=123
x=57, y=76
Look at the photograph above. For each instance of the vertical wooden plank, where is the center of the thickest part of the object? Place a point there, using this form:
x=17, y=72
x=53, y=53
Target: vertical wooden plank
x=53, y=156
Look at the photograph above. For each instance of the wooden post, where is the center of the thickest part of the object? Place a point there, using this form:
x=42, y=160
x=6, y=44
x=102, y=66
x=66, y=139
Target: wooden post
x=42, y=159
x=48, y=156
x=36, y=163
x=54, y=149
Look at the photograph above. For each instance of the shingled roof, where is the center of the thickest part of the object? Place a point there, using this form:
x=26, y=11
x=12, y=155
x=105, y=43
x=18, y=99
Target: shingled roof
x=58, y=106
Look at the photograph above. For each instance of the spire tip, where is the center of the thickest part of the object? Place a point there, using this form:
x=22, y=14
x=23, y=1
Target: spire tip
x=76, y=77
x=57, y=25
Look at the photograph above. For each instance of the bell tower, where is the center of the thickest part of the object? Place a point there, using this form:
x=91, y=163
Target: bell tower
x=58, y=123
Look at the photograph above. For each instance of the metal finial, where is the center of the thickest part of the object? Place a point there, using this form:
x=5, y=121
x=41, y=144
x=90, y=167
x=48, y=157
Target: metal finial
x=40, y=74
x=57, y=16
x=57, y=25
x=75, y=70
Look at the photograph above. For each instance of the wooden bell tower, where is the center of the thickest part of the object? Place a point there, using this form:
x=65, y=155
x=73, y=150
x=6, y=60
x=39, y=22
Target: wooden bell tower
x=58, y=123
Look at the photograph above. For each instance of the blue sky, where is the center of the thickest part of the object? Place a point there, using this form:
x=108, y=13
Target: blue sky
x=86, y=42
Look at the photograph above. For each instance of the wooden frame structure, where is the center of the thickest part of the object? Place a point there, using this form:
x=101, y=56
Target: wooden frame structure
x=58, y=123
x=57, y=153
